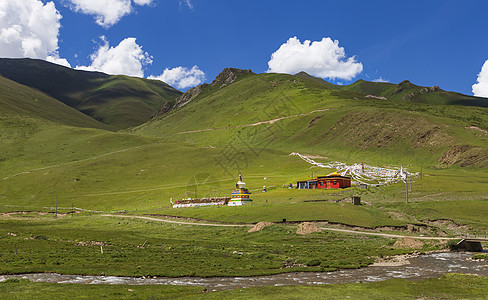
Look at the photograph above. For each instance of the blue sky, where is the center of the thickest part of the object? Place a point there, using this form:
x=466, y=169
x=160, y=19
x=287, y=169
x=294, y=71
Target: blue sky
x=427, y=42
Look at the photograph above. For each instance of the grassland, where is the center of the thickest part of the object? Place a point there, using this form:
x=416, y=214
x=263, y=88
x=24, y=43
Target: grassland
x=134, y=247
x=48, y=158
x=450, y=286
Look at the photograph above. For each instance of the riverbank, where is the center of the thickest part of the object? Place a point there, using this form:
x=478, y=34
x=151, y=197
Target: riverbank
x=412, y=267
x=93, y=244
x=449, y=286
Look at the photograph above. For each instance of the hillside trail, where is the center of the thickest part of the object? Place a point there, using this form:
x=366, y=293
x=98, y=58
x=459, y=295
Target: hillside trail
x=140, y=146
x=254, y=124
x=77, y=161
x=388, y=235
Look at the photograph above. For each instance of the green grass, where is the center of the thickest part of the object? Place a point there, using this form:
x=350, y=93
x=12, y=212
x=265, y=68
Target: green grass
x=117, y=101
x=100, y=170
x=22, y=101
x=480, y=256
x=48, y=153
x=406, y=91
x=468, y=212
x=134, y=247
x=24, y=289
x=354, y=129
x=293, y=212
x=450, y=286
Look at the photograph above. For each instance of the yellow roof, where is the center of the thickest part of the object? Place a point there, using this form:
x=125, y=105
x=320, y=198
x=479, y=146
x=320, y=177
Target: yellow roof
x=334, y=174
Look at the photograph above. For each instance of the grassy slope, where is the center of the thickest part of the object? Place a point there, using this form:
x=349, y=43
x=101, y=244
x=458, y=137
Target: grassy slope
x=397, y=92
x=119, y=101
x=371, y=130
x=164, y=166
x=22, y=101
x=101, y=170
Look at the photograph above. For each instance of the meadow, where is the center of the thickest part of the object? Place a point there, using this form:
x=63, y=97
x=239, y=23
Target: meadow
x=94, y=244
x=68, y=160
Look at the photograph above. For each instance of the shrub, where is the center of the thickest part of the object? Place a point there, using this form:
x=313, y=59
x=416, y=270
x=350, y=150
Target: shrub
x=313, y=263
x=480, y=256
x=451, y=244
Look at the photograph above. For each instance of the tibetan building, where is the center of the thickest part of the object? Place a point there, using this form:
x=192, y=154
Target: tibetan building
x=331, y=181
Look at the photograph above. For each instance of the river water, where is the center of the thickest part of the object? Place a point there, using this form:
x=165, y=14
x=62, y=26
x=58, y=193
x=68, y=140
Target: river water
x=420, y=267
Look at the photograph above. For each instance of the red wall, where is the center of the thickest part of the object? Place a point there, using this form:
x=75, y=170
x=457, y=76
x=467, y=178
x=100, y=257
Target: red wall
x=329, y=183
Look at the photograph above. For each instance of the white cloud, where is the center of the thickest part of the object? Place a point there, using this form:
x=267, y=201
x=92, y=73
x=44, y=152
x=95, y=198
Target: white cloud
x=57, y=60
x=106, y=12
x=181, y=77
x=480, y=88
x=187, y=3
x=127, y=58
x=143, y=2
x=381, y=79
x=29, y=28
x=323, y=59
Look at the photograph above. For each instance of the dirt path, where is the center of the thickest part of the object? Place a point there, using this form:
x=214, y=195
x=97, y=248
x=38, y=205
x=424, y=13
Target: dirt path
x=77, y=161
x=251, y=225
x=179, y=222
x=388, y=234
x=254, y=124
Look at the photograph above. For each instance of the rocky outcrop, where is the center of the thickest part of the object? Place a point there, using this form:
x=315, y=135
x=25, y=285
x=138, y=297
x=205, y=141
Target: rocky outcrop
x=190, y=95
x=429, y=89
x=404, y=85
x=422, y=91
x=465, y=156
x=226, y=77
x=375, y=97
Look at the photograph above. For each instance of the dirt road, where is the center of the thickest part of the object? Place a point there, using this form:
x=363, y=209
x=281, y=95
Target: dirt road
x=388, y=235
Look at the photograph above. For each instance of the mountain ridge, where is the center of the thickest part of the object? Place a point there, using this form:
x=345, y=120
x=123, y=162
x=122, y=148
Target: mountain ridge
x=226, y=77
x=115, y=100
x=426, y=124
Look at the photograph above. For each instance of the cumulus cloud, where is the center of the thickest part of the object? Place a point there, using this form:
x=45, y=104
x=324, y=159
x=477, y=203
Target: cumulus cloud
x=57, y=60
x=181, y=77
x=127, y=58
x=323, y=59
x=381, y=79
x=480, y=88
x=107, y=12
x=29, y=28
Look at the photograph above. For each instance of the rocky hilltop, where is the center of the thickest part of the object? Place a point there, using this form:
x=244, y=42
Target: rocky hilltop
x=406, y=85
x=226, y=77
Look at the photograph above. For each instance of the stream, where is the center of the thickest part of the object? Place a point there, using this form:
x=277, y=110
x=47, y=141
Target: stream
x=414, y=268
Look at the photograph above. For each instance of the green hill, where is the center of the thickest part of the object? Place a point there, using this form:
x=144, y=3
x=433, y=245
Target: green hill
x=407, y=91
x=118, y=101
x=250, y=124
x=343, y=123
x=21, y=100
x=52, y=156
